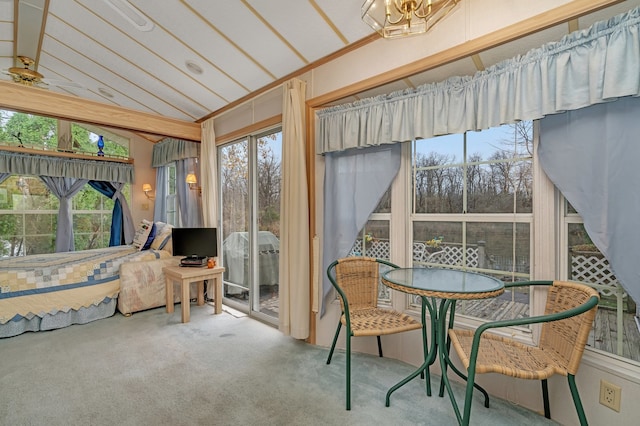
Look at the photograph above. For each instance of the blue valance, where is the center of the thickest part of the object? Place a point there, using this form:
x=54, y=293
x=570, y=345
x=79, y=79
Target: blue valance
x=169, y=150
x=586, y=67
x=43, y=165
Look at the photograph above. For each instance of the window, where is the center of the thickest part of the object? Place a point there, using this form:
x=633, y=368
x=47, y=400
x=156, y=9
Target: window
x=615, y=329
x=85, y=139
x=374, y=241
x=471, y=207
x=28, y=210
x=249, y=179
x=20, y=129
x=28, y=217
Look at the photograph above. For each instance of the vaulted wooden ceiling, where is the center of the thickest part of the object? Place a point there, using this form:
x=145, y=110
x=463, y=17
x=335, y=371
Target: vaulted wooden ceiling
x=184, y=59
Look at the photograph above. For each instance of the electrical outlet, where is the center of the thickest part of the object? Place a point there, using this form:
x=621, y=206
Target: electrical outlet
x=610, y=395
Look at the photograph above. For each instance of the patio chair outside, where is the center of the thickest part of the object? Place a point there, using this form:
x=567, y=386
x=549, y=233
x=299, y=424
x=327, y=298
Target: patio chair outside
x=566, y=323
x=356, y=281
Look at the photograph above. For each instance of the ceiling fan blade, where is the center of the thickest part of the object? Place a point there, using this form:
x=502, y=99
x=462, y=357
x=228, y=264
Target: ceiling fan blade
x=62, y=83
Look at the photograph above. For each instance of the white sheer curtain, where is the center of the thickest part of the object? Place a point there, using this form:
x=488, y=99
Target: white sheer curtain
x=586, y=67
x=294, y=215
x=355, y=181
x=591, y=155
x=209, y=164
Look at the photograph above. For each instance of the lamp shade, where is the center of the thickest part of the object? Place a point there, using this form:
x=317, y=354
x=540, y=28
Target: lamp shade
x=191, y=179
x=146, y=187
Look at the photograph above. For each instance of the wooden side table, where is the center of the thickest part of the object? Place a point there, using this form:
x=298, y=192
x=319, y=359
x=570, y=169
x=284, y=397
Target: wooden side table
x=185, y=276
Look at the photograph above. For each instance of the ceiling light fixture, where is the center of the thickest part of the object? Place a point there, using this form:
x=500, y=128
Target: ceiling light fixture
x=105, y=92
x=193, y=67
x=25, y=75
x=400, y=18
x=131, y=14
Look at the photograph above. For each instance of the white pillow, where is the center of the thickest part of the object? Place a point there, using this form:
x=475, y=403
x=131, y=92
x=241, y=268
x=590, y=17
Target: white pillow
x=142, y=234
x=163, y=234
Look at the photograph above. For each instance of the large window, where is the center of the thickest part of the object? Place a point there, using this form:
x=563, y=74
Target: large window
x=28, y=210
x=471, y=206
x=28, y=217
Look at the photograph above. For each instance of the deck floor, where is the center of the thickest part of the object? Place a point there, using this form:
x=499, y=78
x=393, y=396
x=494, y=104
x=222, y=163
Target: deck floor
x=603, y=336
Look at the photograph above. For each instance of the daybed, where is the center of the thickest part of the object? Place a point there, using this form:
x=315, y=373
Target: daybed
x=48, y=291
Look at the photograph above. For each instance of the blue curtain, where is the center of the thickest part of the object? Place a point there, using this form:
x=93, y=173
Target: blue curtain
x=185, y=155
x=591, y=155
x=189, y=201
x=355, y=181
x=170, y=149
x=160, y=204
x=120, y=233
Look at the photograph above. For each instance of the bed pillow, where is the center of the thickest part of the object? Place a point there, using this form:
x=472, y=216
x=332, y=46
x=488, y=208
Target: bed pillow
x=142, y=234
x=169, y=245
x=163, y=235
x=150, y=238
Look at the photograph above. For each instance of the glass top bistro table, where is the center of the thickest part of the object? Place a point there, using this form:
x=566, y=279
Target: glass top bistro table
x=447, y=285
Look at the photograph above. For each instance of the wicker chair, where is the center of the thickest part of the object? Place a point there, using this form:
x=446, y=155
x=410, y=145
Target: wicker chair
x=568, y=318
x=356, y=280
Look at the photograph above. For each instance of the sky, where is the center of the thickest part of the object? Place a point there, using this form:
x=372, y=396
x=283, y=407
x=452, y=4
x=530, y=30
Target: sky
x=485, y=143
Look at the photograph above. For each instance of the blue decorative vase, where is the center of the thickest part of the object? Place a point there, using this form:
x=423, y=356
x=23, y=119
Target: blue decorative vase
x=100, y=146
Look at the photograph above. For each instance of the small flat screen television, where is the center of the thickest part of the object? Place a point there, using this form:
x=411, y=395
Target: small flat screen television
x=195, y=242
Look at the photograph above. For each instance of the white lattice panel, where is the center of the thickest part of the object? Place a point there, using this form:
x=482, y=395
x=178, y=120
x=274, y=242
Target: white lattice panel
x=594, y=270
x=376, y=248
x=453, y=256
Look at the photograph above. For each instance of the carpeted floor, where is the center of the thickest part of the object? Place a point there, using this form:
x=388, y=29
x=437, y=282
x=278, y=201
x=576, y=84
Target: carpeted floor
x=150, y=369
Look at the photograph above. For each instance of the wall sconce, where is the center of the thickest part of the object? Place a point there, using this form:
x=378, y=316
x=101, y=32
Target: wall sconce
x=146, y=187
x=192, y=181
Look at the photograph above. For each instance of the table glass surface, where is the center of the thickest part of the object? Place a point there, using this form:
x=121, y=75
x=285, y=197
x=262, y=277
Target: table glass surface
x=442, y=280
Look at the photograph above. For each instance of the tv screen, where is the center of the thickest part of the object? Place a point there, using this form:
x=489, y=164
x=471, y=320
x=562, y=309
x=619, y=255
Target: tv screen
x=202, y=242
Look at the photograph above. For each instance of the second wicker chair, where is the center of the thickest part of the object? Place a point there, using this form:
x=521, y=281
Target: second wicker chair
x=356, y=280
x=566, y=323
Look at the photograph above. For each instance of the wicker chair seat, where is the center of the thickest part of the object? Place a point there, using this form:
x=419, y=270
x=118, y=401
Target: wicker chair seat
x=378, y=322
x=568, y=317
x=505, y=356
x=356, y=279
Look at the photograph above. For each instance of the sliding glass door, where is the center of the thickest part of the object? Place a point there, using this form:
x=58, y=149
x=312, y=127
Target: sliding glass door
x=250, y=192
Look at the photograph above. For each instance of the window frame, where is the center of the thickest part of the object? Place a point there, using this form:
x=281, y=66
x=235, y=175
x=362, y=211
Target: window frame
x=401, y=235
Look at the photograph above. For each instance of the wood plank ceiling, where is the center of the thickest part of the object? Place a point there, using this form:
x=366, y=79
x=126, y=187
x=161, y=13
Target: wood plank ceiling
x=184, y=59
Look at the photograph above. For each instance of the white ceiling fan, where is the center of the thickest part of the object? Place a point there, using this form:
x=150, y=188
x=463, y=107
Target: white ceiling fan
x=28, y=77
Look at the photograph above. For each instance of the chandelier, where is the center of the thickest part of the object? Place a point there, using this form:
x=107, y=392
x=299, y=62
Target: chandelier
x=399, y=18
